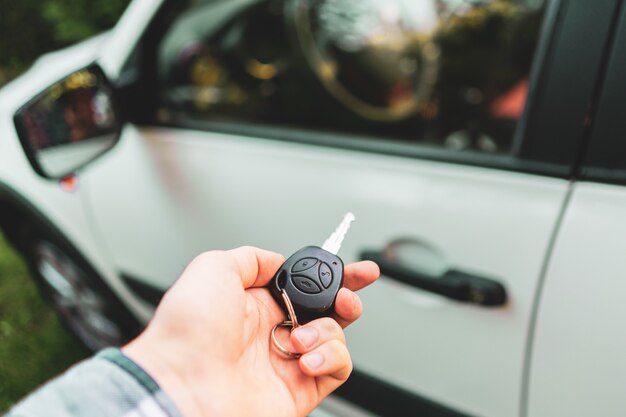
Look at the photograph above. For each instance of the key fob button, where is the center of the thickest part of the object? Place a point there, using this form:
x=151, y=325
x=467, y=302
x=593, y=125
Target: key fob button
x=311, y=279
x=306, y=285
x=326, y=275
x=304, y=264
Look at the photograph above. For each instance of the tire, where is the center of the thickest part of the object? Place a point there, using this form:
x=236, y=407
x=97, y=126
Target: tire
x=84, y=303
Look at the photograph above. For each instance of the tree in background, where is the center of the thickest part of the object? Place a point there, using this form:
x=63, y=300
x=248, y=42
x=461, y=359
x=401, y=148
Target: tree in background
x=29, y=28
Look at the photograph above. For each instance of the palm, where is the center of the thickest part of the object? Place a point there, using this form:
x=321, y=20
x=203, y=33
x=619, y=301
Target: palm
x=278, y=380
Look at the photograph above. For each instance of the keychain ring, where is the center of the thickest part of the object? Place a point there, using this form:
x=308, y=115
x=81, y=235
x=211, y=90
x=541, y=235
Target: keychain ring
x=291, y=323
x=277, y=344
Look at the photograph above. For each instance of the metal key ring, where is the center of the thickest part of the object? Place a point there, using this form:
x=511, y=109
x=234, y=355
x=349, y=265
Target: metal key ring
x=291, y=322
x=278, y=346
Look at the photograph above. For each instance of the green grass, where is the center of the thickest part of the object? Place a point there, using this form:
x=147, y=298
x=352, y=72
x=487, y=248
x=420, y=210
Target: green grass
x=34, y=345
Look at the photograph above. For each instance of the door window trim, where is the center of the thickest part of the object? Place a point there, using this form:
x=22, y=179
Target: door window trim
x=564, y=87
x=604, y=156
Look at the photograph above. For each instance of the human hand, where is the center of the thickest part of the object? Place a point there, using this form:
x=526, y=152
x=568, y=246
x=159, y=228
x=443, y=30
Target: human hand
x=208, y=344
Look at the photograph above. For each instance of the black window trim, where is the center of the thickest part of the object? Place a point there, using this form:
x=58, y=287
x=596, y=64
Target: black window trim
x=371, y=144
x=603, y=158
x=563, y=93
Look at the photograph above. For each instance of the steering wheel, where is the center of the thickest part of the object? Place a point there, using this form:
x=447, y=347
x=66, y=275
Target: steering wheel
x=365, y=55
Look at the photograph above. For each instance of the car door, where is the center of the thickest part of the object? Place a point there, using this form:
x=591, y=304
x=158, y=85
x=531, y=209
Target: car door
x=578, y=366
x=263, y=122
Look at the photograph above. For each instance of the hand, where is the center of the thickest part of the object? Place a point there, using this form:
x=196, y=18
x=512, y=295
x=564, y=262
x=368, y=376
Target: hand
x=208, y=345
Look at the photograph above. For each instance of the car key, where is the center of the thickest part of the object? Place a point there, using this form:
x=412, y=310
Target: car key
x=311, y=278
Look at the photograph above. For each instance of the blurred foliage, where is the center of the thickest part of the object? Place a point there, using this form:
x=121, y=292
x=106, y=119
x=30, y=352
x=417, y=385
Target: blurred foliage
x=34, y=346
x=29, y=28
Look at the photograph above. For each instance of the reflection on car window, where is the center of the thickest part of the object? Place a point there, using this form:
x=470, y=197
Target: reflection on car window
x=451, y=73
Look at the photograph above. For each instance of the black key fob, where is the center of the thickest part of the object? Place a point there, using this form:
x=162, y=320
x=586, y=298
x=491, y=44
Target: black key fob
x=311, y=277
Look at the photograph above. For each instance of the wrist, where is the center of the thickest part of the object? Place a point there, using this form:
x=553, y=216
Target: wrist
x=179, y=372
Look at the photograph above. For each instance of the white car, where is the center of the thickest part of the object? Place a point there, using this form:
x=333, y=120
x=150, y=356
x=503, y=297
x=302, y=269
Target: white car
x=479, y=144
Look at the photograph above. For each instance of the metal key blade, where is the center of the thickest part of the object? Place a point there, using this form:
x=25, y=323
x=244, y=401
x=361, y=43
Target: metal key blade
x=333, y=243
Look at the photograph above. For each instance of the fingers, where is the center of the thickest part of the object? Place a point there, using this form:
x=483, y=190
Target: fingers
x=315, y=333
x=255, y=266
x=348, y=307
x=330, y=359
x=360, y=274
x=323, y=347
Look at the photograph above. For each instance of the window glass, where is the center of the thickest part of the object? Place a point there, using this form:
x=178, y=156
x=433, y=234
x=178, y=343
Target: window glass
x=451, y=73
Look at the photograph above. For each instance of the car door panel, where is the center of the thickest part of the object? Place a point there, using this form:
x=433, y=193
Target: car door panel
x=181, y=192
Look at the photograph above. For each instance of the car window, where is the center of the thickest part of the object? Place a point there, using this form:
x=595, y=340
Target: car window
x=446, y=73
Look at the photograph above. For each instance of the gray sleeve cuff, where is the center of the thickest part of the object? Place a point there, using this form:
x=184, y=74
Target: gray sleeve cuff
x=107, y=385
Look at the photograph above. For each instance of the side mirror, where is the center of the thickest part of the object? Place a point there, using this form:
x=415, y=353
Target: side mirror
x=70, y=123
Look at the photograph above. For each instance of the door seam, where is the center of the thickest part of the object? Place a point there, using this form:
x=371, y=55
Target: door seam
x=532, y=326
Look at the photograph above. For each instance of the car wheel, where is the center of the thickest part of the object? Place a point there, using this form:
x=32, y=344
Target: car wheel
x=90, y=310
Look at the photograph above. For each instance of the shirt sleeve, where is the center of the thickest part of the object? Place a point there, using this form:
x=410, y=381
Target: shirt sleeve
x=107, y=385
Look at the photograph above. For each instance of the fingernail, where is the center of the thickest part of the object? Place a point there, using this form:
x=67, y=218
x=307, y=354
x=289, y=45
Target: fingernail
x=313, y=360
x=306, y=335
